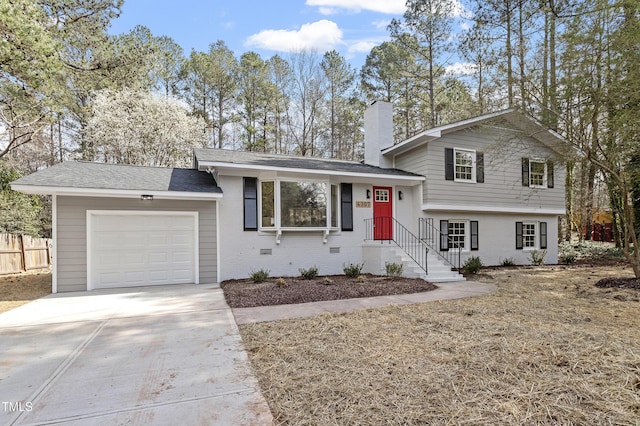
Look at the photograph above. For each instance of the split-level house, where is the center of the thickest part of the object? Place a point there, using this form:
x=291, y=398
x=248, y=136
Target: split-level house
x=491, y=186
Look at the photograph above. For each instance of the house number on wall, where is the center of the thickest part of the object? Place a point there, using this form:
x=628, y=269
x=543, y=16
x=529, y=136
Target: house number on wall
x=365, y=204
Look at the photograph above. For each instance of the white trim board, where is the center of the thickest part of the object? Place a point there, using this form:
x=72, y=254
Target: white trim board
x=492, y=209
x=203, y=165
x=92, y=213
x=54, y=237
x=119, y=193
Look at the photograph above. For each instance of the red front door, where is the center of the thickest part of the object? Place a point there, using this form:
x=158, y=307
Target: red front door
x=382, y=213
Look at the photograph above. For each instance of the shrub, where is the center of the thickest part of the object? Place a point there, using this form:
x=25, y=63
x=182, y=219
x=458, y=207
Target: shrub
x=281, y=283
x=537, y=257
x=259, y=276
x=361, y=278
x=353, y=270
x=309, y=274
x=394, y=270
x=472, y=265
x=568, y=258
x=508, y=262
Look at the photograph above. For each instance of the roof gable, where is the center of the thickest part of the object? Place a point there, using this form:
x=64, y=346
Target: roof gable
x=528, y=125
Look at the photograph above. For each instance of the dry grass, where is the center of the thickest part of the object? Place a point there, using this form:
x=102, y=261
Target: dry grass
x=18, y=289
x=547, y=348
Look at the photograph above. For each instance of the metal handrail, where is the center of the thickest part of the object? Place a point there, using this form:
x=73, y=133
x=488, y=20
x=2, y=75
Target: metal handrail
x=390, y=230
x=433, y=238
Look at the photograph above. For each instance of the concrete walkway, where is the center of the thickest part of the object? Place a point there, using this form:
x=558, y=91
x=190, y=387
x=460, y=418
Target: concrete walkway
x=445, y=291
x=166, y=355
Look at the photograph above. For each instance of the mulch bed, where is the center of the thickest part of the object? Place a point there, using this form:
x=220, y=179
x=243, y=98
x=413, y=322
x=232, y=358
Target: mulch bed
x=616, y=282
x=245, y=293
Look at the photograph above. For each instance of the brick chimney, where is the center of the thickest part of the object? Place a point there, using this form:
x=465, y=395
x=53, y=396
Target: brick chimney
x=378, y=133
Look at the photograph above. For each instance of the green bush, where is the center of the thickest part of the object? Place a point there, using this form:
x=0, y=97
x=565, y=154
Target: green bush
x=568, y=258
x=472, y=265
x=259, y=276
x=508, y=262
x=394, y=270
x=353, y=270
x=537, y=257
x=309, y=274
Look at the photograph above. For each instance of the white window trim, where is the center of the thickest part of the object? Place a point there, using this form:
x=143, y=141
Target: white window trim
x=473, y=165
x=544, y=173
x=277, y=210
x=536, y=236
x=467, y=233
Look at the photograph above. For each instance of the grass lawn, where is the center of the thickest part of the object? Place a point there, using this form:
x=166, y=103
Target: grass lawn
x=18, y=289
x=547, y=348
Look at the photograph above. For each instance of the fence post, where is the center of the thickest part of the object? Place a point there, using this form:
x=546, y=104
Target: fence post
x=22, y=254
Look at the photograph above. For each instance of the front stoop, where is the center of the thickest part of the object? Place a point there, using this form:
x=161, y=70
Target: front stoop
x=438, y=270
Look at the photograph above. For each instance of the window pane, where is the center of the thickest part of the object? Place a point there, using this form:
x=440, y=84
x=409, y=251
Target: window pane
x=464, y=163
x=334, y=206
x=536, y=174
x=457, y=233
x=303, y=204
x=268, y=210
x=529, y=235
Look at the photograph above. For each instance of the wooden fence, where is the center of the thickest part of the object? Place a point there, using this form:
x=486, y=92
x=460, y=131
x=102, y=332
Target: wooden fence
x=21, y=253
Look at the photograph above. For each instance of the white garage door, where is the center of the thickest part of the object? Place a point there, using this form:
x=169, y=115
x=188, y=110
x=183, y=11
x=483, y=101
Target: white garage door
x=128, y=249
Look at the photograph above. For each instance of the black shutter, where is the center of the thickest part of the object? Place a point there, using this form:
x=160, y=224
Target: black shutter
x=480, y=167
x=543, y=235
x=346, y=206
x=448, y=163
x=250, y=204
x=518, y=235
x=444, y=235
x=474, y=234
x=549, y=174
x=525, y=172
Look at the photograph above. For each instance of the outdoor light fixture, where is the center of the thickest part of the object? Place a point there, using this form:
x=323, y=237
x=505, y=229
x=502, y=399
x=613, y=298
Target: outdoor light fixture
x=146, y=197
x=368, y=194
x=400, y=195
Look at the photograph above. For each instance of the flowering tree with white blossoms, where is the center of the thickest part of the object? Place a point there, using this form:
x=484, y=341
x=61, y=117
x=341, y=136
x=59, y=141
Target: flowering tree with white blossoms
x=135, y=127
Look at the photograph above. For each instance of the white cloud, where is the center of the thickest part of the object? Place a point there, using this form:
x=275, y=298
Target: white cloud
x=461, y=68
x=322, y=35
x=362, y=46
x=327, y=11
x=395, y=7
x=381, y=25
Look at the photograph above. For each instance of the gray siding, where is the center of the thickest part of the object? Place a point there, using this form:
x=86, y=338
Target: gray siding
x=503, y=150
x=72, y=234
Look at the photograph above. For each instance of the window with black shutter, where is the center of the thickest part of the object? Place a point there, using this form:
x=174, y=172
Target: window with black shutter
x=346, y=206
x=543, y=235
x=448, y=164
x=474, y=234
x=525, y=172
x=518, y=235
x=549, y=174
x=250, y=204
x=479, y=167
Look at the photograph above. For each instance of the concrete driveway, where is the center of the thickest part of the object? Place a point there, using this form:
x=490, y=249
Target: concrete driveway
x=164, y=355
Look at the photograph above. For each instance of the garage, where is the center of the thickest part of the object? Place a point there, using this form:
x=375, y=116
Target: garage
x=141, y=248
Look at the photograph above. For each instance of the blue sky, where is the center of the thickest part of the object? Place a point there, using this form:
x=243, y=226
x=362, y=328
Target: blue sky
x=352, y=27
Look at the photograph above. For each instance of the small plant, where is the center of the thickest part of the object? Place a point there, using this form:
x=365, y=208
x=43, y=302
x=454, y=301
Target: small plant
x=281, y=283
x=508, y=262
x=353, y=270
x=309, y=274
x=568, y=258
x=361, y=278
x=537, y=257
x=327, y=281
x=394, y=270
x=259, y=276
x=472, y=265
